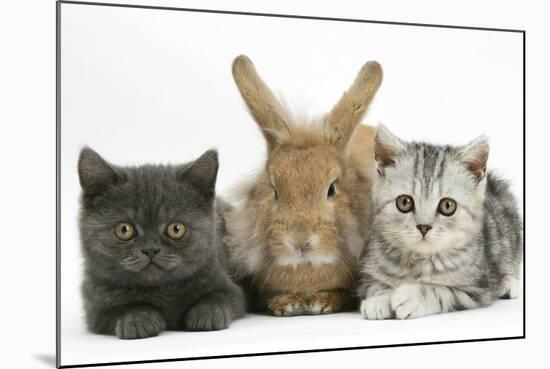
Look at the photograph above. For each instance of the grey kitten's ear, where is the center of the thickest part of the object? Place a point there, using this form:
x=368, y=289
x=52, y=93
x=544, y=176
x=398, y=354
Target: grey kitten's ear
x=202, y=173
x=474, y=156
x=95, y=173
x=386, y=147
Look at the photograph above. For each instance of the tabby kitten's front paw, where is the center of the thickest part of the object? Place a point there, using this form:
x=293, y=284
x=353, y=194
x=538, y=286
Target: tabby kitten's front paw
x=207, y=317
x=376, y=307
x=139, y=324
x=407, y=302
x=509, y=288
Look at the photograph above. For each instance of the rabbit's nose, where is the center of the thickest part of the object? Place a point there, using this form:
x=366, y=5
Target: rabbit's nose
x=303, y=246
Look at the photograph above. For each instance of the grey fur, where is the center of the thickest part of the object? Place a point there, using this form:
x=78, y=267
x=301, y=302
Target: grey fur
x=467, y=260
x=183, y=287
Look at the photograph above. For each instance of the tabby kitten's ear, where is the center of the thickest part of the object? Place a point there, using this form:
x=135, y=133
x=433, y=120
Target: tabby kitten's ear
x=386, y=148
x=474, y=156
x=202, y=173
x=95, y=174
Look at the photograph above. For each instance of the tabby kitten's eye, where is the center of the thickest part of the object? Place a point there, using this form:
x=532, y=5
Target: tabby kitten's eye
x=331, y=190
x=275, y=196
x=175, y=230
x=124, y=231
x=404, y=203
x=447, y=206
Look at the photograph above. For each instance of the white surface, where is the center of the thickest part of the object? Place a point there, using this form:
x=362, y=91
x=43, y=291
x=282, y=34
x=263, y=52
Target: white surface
x=259, y=333
x=27, y=146
x=155, y=86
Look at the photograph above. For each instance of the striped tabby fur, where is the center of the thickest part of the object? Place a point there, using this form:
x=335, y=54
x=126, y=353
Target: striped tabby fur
x=466, y=260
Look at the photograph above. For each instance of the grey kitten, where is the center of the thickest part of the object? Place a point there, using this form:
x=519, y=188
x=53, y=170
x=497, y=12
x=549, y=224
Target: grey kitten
x=152, y=243
x=446, y=236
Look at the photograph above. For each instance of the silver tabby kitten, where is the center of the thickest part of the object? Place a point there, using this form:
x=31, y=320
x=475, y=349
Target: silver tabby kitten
x=446, y=235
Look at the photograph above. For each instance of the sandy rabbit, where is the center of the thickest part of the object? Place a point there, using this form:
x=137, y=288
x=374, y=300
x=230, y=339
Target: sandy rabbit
x=298, y=229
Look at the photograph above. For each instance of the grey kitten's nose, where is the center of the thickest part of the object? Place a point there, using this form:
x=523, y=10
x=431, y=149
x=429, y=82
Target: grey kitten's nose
x=150, y=251
x=423, y=228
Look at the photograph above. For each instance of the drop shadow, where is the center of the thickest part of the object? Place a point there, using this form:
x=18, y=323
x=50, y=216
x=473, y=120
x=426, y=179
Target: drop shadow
x=47, y=359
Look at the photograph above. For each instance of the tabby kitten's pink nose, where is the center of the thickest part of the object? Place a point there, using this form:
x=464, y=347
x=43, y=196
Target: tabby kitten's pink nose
x=423, y=228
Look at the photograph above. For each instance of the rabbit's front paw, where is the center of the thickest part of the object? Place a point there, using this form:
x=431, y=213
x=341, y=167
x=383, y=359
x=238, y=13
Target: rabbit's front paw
x=407, y=302
x=139, y=324
x=327, y=302
x=376, y=307
x=287, y=304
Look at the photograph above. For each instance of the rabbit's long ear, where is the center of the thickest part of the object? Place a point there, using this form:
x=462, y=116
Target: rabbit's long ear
x=264, y=107
x=350, y=110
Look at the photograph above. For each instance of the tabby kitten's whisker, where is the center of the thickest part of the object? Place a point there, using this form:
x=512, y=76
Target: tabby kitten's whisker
x=438, y=241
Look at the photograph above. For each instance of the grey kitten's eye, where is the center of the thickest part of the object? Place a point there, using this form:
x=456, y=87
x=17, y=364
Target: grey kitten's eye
x=125, y=231
x=331, y=190
x=447, y=206
x=175, y=230
x=404, y=203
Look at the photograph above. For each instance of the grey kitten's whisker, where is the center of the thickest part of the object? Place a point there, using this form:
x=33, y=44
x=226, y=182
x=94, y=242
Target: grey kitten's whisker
x=134, y=262
x=130, y=294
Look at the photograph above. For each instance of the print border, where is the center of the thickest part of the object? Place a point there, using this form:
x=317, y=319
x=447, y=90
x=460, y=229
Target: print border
x=271, y=15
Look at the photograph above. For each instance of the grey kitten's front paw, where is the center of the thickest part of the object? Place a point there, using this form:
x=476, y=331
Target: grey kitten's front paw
x=407, y=302
x=376, y=307
x=139, y=324
x=206, y=317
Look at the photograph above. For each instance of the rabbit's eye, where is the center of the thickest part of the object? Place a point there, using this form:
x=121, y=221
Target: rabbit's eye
x=331, y=190
x=275, y=196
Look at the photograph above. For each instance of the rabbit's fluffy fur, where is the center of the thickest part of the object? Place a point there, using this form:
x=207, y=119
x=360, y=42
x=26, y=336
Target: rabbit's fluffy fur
x=297, y=232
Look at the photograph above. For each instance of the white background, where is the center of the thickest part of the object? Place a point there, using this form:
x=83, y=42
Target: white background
x=28, y=186
x=155, y=86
